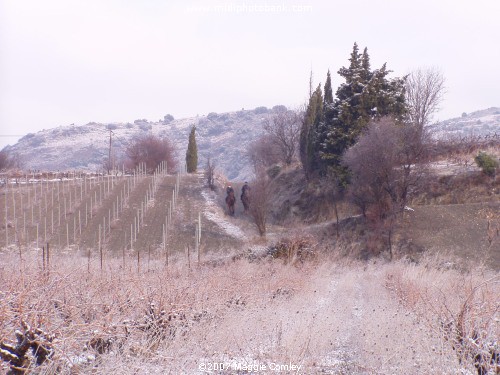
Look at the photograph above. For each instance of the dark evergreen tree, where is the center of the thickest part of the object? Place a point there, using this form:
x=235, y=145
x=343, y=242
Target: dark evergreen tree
x=313, y=141
x=312, y=116
x=363, y=96
x=192, y=152
x=365, y=65
x=328, y=90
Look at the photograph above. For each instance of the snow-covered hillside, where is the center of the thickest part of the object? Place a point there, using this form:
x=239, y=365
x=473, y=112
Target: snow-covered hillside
x=484, y=122
x=224, y=137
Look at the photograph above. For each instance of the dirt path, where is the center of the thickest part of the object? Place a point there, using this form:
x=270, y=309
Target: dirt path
x=337, y=322
x=334, y=322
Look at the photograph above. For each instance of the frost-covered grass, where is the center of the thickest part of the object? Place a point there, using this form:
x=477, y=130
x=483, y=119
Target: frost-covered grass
x=461, y=307
x=324, y=316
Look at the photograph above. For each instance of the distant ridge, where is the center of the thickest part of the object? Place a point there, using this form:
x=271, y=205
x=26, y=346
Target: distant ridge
x=222, y=136
x=483, y=122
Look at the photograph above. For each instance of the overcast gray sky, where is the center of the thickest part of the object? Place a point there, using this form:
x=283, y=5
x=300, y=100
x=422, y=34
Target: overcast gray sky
x=70, y=61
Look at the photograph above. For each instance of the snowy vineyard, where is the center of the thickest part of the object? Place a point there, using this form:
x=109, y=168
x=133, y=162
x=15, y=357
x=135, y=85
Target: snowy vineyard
x=93, y=215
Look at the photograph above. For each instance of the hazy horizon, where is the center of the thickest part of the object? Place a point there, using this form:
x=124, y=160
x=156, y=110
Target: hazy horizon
x=74, y=61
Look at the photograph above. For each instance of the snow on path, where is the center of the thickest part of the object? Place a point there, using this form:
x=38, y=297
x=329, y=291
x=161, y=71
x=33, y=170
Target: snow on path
x=213, y=213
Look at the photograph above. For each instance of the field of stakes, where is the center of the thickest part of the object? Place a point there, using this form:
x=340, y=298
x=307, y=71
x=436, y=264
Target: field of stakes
x=90, y=215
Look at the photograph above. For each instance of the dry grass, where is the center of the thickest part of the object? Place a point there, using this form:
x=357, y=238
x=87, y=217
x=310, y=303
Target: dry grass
x=460, y=307
x=326, y=316
x=457, y=189
x=99, y=316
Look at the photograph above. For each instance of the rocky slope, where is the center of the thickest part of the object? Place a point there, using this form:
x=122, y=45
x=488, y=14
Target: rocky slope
x=222, y=136
x=483, y=122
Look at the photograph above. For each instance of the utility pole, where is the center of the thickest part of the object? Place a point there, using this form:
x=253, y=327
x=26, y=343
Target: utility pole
x=109, y=154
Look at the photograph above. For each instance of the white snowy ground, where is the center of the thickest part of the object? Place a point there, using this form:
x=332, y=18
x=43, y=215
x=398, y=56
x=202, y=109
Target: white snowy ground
x=338, y=322
x=213, y=212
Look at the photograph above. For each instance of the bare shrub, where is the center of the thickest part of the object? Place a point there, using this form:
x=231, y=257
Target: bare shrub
x=295, y=250
x=328, y=316
x=151, y=151
x=18, y=356
x=122, y=321
x=452, y=189
x=456, y=147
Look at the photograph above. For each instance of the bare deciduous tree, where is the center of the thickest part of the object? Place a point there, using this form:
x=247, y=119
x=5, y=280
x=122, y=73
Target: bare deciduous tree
x=4, y=160
x=261, y=195
x=385, y=165
x=151, y=150
x=284, y=129
x=209, y=174
x=424, y=92
x=10, y=161
x=262, y=153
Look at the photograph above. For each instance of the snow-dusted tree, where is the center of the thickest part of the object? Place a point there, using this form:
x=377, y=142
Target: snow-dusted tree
x=192, y=152
x=365, y=95
x=424, y=93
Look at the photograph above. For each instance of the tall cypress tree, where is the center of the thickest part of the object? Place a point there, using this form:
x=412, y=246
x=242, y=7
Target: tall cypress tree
x=312, y=117
x=192, y=152
x=314, y=139
x=328, y=99
x=365, y=66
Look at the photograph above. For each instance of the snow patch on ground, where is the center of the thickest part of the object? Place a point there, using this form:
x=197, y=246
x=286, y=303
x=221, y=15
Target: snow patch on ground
x=213, y=213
